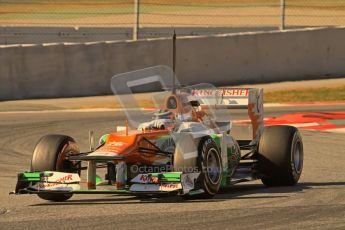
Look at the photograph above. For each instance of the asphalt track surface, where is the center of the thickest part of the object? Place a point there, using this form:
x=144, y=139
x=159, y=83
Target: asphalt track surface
x=318, y=201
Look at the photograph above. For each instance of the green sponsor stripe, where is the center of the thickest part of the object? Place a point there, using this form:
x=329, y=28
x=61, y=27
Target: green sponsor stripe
x=216, y=139
x=103, y=139
x=98, y=179
x=29, y=176
x=170, y=177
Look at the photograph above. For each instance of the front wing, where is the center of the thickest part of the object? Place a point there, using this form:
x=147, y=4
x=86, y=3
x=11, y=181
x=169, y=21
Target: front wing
x=61, y=182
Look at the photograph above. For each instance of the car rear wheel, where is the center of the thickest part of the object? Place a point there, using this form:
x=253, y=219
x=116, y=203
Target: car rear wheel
x=49, y=155
x=280, y=156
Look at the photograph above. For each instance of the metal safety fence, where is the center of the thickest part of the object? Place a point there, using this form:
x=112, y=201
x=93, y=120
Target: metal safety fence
x=156, y=18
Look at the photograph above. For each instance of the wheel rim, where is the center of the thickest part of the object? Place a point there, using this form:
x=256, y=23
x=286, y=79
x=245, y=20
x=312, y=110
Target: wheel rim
x=213, y=166
x=298, y=157
x=64, y=165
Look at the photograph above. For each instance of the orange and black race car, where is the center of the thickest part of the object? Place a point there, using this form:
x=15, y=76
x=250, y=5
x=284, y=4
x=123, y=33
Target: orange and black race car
x=186, y=149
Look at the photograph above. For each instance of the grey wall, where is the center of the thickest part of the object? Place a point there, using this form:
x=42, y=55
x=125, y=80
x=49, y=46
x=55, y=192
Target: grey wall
x=64, y=70
x=263, y=57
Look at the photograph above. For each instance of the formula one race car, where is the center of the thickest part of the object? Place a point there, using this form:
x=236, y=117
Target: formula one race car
x=187, y=149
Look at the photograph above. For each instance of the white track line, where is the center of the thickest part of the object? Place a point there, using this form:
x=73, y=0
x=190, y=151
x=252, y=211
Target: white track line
x=301, y=125
x=336, y=130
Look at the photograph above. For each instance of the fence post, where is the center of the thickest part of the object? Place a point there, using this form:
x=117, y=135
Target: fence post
x=136, y=19
x=282, y=16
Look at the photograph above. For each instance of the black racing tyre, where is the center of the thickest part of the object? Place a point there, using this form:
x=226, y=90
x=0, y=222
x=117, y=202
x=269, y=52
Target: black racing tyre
x=49, y=155
x=280, y=156
x=210, y=164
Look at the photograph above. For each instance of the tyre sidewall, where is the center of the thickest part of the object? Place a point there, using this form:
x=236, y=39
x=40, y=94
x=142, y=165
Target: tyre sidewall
x=296, y=143
x=207, y=145
x=50, y=152
x=276, y=155
x=49, y=155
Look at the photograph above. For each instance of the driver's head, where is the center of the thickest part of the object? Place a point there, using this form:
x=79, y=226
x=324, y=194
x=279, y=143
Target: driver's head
x=178, y=103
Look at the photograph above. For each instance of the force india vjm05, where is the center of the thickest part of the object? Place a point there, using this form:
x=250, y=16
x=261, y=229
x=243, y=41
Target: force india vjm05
x=186, y=149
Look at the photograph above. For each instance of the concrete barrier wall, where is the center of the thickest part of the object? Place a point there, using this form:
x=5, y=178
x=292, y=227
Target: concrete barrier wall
x=263, y=57
x=65, y=70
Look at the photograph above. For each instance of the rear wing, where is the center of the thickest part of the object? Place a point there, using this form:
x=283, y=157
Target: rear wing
x=235, y=98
